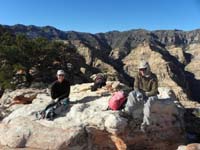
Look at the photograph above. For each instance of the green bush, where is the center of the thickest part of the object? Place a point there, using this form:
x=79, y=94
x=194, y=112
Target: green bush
x=19, y=52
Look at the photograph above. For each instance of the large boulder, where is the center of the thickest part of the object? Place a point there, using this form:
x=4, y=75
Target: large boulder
x=21, y=132
x=88, y=124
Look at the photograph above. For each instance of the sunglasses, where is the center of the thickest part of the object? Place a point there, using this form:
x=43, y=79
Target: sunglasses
x=143, y=69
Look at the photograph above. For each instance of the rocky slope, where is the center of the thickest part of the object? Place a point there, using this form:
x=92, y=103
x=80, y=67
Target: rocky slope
x=87, y=124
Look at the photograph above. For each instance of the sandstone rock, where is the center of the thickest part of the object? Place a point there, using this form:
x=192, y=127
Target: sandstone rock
x=84, y=51
x=3, y=113
x=87, y=124
x=181, y=148
x=193, y=49
x=41, y=101
x=21, y=132
x=177, y=52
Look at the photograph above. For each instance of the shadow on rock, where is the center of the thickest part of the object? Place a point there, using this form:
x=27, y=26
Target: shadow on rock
x=192, y=122
x=88, y=99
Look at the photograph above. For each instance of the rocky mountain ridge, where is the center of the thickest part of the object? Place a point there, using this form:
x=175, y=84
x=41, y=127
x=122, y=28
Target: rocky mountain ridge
x=112, y=38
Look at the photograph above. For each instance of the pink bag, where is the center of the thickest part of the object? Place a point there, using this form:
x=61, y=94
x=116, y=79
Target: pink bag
x=117, y=100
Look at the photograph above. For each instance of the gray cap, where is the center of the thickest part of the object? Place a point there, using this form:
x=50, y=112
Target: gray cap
x=59, y=72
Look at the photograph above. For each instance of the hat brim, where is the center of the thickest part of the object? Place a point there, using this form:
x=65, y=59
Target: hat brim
x=60, y=74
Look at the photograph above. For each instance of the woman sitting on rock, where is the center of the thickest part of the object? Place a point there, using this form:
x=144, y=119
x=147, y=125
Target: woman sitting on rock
x=60, y=90
x=61, y=87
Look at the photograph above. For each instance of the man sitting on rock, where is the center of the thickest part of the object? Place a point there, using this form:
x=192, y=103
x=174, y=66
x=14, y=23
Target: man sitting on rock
x=145, y=92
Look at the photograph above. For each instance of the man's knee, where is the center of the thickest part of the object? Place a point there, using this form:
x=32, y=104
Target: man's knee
x=151, y=99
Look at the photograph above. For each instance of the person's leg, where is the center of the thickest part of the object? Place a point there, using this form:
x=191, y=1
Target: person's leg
x=134, y=102
x=66, y=103
x=42, y=114
x=147, y=111
x=94, y=87
x=130, y=102
x=49, y=105
x=101, y=84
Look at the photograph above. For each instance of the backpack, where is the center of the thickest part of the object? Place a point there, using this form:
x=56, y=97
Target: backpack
x=100, y=78
x=99, y=81
x=53, y=109
x=117, y=101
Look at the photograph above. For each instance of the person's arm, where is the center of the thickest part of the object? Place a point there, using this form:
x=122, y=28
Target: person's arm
x=68, y=89
x=154, y=89
x=53, y=91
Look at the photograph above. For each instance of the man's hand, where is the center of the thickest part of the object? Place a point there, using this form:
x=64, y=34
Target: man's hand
x=140, y=96
x=147, y=93
x=144, y=95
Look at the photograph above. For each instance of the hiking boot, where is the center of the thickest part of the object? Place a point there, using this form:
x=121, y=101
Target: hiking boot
x=40, y=115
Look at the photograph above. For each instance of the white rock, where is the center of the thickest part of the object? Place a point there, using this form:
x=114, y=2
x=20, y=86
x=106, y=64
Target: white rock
x=87, y=110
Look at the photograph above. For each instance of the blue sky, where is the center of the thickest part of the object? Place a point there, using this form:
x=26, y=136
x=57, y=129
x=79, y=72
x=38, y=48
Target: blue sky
x=103, y=15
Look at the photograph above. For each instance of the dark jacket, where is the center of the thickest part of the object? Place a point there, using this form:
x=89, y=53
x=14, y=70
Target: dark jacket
x=60, y=90
x=149, y=85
